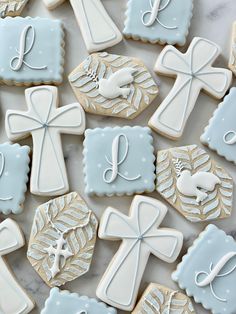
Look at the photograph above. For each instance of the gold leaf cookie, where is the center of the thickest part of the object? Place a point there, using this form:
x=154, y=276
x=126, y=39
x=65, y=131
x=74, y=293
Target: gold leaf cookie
x=158, y=299
x=11, y=7
x=62, y=239
x=194, y=184
x=113, y=85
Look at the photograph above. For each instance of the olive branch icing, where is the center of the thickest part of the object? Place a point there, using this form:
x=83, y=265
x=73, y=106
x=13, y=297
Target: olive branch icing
x=11, y=7
x=69, y=216
x=218, y=203
x=97, y=66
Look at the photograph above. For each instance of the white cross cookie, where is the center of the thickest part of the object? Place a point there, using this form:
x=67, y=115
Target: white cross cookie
x=194, y=72
x=140, y=237
x=13, y=299
x=45, y=122
x=97, y=28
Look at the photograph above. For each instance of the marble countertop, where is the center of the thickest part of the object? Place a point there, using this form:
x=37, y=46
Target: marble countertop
x=212, y=20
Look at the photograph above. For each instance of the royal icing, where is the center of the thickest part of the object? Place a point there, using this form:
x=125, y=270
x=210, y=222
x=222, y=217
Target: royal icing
x=45, y=122
x=140, y=237
x=232, y=59
x=11, y=7
x=62, y=301
x=13, y=299
x=194, y=184
x=62, y=239
x=220, y=134
x=208, y=271
x=163, y=21
x=194, y=72
x=113, y=85
x=90, y=14
x=118, y=161
x=162, y=300
x=14, y=168
x=32, y=51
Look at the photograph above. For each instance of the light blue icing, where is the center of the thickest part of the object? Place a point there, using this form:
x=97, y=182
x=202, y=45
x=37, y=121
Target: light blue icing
x=135, y=173
x=64, y=302
x=176, y=17
x=209, y=248
x=43, y=48
x=222, y=122
x=14, y=168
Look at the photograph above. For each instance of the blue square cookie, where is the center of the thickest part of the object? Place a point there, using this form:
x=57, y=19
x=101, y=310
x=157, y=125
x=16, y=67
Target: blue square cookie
x=163, y=21
x=14, y=169
x=208, y=271
x=32, y=51
x=119, y=161
x=220, y=134
x=62, y=301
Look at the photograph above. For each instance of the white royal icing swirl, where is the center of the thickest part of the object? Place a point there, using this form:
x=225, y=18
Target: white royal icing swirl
x=18, y=61
x=115, y=163
x=215, y=272
x=229, y=137
x=155, y=10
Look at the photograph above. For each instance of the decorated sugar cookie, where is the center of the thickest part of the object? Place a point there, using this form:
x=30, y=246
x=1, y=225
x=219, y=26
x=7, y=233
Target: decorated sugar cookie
x=32, y=51
x=97, y=28
x=158, y=299
x=11, y=7
x=194, y=72
x=13, y=299
x=232, y=59
x=14, y=168
x=220, y=134
x=113, y=85
x=119, y=161
x=208, y=271
x=62, y=239
x=62, y=301
x=158, y=21
x=194, y=184
x=44, y=121
x=141, y=236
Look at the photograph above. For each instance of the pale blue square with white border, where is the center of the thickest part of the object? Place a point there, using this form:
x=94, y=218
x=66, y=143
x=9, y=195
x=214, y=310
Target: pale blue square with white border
x=119, y=161
x=207, y=253
x=31, y=50
x=170, y=25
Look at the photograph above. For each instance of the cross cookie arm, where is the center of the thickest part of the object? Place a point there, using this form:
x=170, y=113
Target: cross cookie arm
x=70, y=119
x=18, y=124
x=114, y=225
x=13, y=298
x=165, y=244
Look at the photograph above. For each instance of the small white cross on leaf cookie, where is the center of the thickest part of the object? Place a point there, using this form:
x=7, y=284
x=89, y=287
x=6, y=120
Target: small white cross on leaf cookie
x=140, y=237
x=97, y=28
x=45, y=122
x=194, y=72
x=62, y=239
x=13, y=299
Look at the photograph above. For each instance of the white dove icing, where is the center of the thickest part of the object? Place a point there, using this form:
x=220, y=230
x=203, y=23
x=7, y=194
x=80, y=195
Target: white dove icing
x=197, y=184
x=113, y=86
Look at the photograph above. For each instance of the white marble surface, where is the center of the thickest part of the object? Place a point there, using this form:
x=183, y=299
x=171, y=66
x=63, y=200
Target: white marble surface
x=213, y=20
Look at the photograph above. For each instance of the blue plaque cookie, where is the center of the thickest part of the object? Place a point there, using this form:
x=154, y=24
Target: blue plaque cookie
x=208, y=271
x=119, y=161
